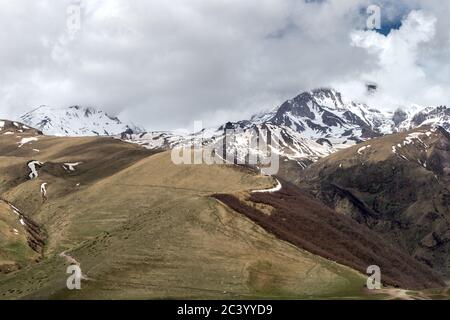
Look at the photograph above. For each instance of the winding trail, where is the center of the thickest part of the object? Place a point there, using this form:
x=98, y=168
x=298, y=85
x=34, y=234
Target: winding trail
x=271, y=190
x=402, y=294
x=71, y=260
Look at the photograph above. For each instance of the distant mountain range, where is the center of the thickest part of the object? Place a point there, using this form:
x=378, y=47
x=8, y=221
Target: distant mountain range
x=310, y=126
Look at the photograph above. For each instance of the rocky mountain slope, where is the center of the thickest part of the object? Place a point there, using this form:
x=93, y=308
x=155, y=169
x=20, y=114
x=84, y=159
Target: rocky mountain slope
x=16, y=128
x=396, y=185
x=308, y=127
x=432, y=116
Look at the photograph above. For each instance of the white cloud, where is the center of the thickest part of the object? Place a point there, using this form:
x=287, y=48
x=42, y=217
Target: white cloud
x=164, y=64
x=397, y=65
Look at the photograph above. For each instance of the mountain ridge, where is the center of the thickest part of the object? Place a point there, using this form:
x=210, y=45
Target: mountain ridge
x=75, y=121
x=310, y=126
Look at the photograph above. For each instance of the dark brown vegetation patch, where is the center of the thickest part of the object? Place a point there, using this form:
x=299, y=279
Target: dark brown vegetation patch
x=318, y=229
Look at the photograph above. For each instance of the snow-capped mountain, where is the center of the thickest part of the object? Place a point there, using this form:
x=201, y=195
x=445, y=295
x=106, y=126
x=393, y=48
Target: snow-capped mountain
x=325, y=117
x=316, y=124
x=75, y=121
x=325, y=114
x=310, y=126
x=434, y=116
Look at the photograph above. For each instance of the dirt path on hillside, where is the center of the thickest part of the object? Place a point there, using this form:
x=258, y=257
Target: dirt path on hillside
x=276, y=188
x=401, y=294
x=71, y=260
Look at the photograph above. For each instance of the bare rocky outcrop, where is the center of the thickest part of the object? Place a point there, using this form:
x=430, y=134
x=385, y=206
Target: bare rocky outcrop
x=399, y=188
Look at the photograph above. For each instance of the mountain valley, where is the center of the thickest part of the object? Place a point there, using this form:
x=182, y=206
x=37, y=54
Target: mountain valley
x=356, y=187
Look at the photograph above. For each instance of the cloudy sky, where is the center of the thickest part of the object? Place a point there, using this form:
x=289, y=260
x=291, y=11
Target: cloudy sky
x=164, y=64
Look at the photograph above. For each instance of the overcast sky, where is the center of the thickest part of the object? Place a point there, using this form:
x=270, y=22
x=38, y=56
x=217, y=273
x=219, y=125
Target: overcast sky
x=164, y=64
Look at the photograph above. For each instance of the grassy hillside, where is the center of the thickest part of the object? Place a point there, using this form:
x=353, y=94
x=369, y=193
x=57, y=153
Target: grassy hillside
x=14, y=250
x=141, y=227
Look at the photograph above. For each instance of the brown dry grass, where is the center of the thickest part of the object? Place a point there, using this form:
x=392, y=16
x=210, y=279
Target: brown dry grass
x=142, y=227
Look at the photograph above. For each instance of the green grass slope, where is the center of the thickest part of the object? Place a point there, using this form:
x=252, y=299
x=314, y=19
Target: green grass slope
x=143, y=228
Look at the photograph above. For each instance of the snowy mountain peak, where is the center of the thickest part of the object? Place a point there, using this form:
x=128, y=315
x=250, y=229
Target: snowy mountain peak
x=74, y=121
x=328, y=97
x=311, y=125
x=421, y=116
x=325, y=113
